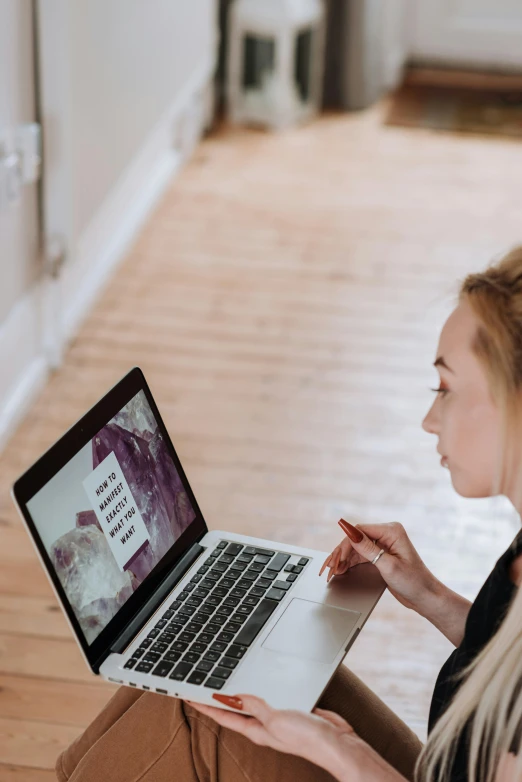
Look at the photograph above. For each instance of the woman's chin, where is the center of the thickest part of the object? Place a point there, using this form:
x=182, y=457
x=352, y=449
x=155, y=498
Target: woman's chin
x=467, y=488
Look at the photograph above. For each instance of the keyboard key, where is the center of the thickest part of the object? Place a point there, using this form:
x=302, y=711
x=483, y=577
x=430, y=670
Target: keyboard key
x=250, y=550
x=159, y=647
x=175, y=605
x=131, y=663
x=214, y=683
x=257, y=591
x=172, y=657
x=218, y=646
x=196, y=677
x=265, y=552
x=256, y=621
x=245, y=557
x=213, y=628
x=264, y=582
x=221, y=566
x=209, y=561
x=278, y=562
x=225, y=636
x=221, y=673
x=222, y=544
x=205, y=665
x=236, y=651
x=146, y=643
x=153, y=634
x=167, y=638
x=228, y=662
x=245, y=609
x=207, y=609
x=213, y=576
x=270, y=574
x=139, y=652
x=257, y=567
x=198, y=647
x=289, y=568
x=186, y=636
x=180, y=671
x=238, y=565
x=231, y=601
x=262, y=559
x=194, y=627
x=194, y=601
x=213, y=600
x=191, y=657
x=238, y=618
x=179, y=646
x=201, y=592
x=225, y=610
x=203, y=569
x=160, y=624
x=207, y=583
x=250, y=575
x=292, y=577
x=237, y=592
x=219, y=619
x=144, y=667
x=212, y=657
x=189, y=587
x=275, y=594
x=183, y=595
x=216, y=553
x=163, y=668
x=182, y=619
x=298, y=569
x=251, y=600
x=206, y=638
x=195, y=579
x=225, y=583
x=199, y=619
x=232, y=627
x=174, y=628
x=187, y=610
x=234, y=575
x=152, y=657
x=282, y=585
x=220, y=591
x=233, y=548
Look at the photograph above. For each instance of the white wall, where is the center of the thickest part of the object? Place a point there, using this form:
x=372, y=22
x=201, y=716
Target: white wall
x=124, y=91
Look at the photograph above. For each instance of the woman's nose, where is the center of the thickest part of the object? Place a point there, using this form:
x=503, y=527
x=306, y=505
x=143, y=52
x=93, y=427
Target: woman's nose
x=429, y=423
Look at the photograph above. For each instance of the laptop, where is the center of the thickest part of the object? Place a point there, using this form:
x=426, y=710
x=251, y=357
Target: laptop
x=158, y=601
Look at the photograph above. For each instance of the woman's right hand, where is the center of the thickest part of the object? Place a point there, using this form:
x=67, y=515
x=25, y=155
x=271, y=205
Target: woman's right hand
x=401, y=567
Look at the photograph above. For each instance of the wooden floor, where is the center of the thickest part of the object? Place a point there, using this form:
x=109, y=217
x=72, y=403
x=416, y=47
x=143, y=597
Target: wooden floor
x=284, y=301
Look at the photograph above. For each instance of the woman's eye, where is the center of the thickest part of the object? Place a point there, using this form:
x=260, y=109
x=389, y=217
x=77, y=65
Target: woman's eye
x=439, y=390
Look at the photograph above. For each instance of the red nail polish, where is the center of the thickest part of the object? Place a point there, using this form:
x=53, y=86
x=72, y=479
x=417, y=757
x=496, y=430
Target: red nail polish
x=353, y=533
x=229, y=700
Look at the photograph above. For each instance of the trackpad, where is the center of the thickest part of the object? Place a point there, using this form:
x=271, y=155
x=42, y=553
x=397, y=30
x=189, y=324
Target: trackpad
x=311, y=631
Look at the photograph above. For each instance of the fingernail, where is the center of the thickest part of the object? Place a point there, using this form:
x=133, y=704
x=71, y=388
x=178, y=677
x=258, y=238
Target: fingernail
x=229, y=700
x=353, y=533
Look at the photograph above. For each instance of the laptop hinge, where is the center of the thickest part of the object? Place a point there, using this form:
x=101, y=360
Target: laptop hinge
x=144, y=614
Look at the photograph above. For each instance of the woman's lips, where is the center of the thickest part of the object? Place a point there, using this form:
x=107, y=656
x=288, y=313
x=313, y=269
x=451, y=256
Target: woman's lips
x=444, y=461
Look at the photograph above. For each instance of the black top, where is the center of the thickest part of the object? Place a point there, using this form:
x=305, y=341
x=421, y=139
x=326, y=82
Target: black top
x=484, y=619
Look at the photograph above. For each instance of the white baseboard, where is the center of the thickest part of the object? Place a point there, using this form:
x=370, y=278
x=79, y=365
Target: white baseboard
x=33, y=336
x=24, y=368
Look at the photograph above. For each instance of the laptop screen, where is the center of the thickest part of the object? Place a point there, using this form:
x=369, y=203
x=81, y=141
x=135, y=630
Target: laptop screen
x=111, y=513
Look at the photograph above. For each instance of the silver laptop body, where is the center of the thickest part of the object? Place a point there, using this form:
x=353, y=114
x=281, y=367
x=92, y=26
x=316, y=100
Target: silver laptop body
x=156, y=600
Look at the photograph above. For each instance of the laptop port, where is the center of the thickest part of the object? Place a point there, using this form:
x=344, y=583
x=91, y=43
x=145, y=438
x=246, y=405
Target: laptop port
x=162, y=692
x=145, y=686
x=132, y=684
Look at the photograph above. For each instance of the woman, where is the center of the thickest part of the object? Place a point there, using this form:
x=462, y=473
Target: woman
x=476, y=712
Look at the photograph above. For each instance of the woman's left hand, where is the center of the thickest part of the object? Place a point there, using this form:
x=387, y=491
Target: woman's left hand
x=315, y=737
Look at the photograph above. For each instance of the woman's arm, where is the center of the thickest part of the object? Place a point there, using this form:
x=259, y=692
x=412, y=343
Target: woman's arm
x=445, y=609
x=352, y=760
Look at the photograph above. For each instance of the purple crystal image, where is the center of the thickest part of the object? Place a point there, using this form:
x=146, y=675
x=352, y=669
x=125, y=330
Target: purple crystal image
x=84, y=562
x=92, y=580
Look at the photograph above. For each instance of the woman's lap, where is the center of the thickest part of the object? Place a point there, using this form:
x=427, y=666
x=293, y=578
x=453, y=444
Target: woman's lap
x=153, y=738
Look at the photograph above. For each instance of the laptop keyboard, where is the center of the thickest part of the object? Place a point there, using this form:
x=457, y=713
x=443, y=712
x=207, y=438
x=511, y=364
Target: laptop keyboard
x=212, y=623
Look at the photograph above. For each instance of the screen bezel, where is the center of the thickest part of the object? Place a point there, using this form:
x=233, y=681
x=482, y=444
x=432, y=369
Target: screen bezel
x=55, y=459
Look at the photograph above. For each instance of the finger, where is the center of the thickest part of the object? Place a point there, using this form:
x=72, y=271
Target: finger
x=332, y=717
x=326, y=562
x=362, y=544
x=334, y=564
x=228, y=719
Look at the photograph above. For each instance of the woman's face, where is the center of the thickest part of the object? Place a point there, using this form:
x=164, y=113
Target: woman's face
x=463, y=415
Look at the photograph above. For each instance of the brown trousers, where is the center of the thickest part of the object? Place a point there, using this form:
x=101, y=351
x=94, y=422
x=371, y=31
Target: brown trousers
x=146, y=737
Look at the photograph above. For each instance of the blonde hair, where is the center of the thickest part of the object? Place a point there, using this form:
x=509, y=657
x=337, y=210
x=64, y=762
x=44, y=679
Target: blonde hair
x=488, y=702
